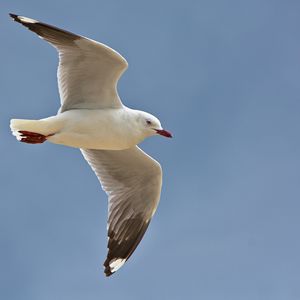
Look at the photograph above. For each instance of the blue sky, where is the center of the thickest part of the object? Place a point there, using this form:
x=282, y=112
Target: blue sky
x=223, y=77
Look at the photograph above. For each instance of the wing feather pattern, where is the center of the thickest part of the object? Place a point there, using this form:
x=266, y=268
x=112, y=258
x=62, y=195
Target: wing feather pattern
x=132, y=181
x=88, y=71
x=88, y=74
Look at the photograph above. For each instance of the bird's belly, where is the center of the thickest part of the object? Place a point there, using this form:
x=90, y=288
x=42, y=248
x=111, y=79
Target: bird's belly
x=90, y=141
x=92, y=130
x=89, y=130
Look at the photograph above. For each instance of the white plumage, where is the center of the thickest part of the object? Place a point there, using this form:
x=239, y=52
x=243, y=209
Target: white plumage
x=93, y=118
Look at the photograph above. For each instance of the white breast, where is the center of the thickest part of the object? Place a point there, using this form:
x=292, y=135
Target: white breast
x=109, y=129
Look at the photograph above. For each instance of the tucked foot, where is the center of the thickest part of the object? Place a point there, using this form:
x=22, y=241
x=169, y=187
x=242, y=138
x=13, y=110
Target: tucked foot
x=32, y=137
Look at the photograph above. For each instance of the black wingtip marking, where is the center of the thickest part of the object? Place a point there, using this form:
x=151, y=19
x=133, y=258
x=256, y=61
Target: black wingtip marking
x=108, y=271
x=27, y=22
x=15, y=17
x=122, y=247
x=50, y=33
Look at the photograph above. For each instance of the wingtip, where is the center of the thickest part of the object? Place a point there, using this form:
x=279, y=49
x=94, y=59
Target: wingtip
x=107, y=269
x=22, y=20
x=14, y=16
x=107, y=272
x=113, y=265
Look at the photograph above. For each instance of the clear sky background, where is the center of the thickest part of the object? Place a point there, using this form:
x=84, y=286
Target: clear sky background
x=223, y=76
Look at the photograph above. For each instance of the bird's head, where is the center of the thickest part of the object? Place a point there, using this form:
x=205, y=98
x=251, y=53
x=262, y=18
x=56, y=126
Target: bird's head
x=151, y=125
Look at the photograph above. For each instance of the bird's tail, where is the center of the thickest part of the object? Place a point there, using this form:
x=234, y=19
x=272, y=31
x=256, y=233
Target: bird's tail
x=30, y=131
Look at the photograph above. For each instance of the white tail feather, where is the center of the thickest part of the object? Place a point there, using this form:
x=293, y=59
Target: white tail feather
x=17, y=125
x=36, y=126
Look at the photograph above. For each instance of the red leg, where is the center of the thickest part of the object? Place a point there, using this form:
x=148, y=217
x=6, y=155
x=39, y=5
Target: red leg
x=32, y=137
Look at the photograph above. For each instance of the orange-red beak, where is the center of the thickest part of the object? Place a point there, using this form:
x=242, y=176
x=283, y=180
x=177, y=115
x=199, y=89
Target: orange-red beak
x=164, y=133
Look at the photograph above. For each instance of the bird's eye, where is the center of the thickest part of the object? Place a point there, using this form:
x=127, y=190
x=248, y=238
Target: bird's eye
x=148, y=122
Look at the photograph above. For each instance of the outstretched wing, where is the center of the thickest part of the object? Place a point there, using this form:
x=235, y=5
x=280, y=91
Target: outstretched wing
x=132, y=181
x=88, y=71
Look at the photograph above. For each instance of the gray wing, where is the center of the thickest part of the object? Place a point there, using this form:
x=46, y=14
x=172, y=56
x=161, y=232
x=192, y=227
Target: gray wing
x=132, y=181
x=88, y=71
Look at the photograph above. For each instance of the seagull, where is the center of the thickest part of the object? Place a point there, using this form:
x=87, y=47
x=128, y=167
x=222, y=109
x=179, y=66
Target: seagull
x=93, y=118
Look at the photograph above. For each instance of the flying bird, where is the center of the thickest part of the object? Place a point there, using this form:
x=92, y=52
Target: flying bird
x=93, y=118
